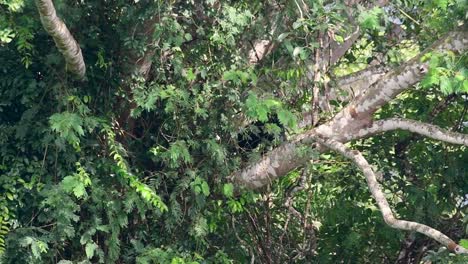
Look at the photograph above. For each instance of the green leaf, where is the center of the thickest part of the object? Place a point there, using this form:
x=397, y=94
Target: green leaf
x=262, y=112
x=434, y=61
x=464, y=243
x=271, y=103
x=273, y=129
x=287, y=118
x=68, y=125
x=230, y=76
x=205, y=188
x=79, y=190
x=68, y=183
x=297, y=51
x=370, y=19
x=228, y=190
x=465, y=86
x=430, y=79
x=339, y=39
x=298, y=23
x=190, y=75
x=90, y=248
x=6, y=35
x=72, y=184
x=442, y=4
x=446, y=85
x=251, y=101
x=282, y=36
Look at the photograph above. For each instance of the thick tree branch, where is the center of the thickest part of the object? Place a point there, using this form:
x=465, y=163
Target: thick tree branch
x=348, y=87
x=347, y=123
x=394, y=82
x=382, y=202
x=421, y=128
x=358, y=114
x=356, y=83
x=63, y=39
x=276, y=163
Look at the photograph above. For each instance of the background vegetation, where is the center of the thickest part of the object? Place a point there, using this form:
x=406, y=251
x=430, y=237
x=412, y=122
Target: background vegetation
x=126, y=166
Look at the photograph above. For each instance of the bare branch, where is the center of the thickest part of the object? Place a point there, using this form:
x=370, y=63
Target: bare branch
x=316, y=69
x=356, y=83
x=337, y=50
x=382, y=202
x=261, y=48
x=289, y=200
x=63, y=39
x=276, y=163
x=425, y=129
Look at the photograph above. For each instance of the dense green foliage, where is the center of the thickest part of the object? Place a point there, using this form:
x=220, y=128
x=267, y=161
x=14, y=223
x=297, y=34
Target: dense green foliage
x=85, y=180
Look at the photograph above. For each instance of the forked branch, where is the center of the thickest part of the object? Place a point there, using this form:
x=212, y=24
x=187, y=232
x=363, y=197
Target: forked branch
x=63, y=39
x=382, y=202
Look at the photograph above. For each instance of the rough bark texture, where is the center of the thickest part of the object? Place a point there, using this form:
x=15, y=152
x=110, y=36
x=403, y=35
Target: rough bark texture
x=358, y=114
x=352, y=85
x=350, y=121
x=63, y=39
x=356, y=121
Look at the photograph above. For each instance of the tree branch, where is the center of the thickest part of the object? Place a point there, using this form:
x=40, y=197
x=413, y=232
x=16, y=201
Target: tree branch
x=382, y=202
x=348, y=122
x=400, y=79
x=358, y=114
x=276, y=163
x=337, y=50
x=63, y=39
x=425, y=129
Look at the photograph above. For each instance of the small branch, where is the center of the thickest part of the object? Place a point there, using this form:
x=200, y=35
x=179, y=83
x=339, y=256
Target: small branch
x=356, y=83
x=315, y=87
x=63, y=39
x=261, y=48
x=425, y=129
x=242, y=241
x=408, y=16
x=379, y=196
x=338, y=50
x=300, y=9
x=289, y=200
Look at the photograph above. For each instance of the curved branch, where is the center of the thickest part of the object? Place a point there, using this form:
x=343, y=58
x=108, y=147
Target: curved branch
x=382, y=202
x=425, y=129
x=63, y=39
